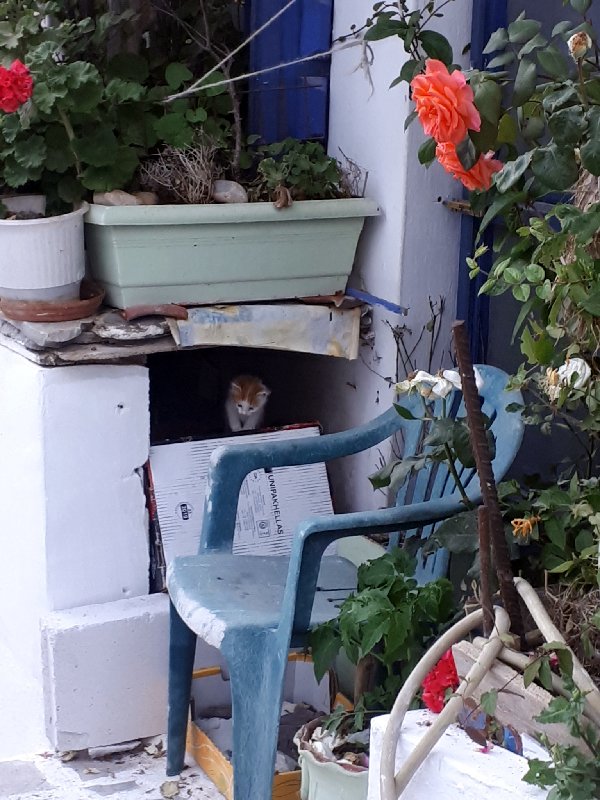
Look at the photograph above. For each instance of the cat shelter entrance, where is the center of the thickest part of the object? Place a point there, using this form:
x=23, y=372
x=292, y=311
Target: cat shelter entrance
x=189, y=394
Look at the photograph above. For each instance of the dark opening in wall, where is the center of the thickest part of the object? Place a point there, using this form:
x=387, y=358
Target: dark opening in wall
x=188, y=389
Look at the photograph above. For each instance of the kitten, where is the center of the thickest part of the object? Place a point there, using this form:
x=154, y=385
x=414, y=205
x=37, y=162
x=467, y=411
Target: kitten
x=245, y=404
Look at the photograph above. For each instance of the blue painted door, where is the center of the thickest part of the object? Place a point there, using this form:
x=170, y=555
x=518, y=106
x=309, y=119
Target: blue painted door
x=292, y=101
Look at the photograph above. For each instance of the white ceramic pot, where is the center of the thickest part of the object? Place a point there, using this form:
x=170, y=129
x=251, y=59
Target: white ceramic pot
x=42, y=259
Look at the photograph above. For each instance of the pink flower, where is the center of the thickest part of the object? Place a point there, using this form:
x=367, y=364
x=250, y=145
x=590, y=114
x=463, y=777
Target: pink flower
x=444, y=103
x=16, y=86
x=478, y=177
x=442, y=677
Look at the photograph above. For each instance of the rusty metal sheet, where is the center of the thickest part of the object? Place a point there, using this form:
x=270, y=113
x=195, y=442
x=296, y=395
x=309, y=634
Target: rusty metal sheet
x=280, y=326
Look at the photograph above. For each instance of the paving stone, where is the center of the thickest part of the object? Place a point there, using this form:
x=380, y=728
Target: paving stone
x=20, y=777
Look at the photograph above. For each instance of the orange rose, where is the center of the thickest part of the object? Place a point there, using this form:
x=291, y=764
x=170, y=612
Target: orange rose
x=478, y=177
x=444, y=103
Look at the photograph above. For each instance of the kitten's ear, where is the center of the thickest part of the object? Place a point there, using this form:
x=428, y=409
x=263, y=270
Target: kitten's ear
x=235, y=386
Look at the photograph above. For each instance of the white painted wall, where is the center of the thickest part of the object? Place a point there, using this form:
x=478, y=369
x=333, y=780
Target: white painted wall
x=405, y=256
x=72, y=514
x=22, y=508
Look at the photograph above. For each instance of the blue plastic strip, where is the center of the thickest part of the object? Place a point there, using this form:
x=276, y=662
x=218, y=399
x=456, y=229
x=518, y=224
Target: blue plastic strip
x=372, y=300
x=293, y=101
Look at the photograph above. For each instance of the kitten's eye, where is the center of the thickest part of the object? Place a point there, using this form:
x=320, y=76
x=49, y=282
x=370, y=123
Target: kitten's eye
x=239, y=406
x=251, y=409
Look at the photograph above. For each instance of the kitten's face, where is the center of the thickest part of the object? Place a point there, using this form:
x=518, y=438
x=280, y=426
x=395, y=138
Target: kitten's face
x=248, y=394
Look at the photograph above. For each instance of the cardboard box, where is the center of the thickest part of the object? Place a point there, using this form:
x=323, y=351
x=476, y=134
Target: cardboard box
x=271, y=504
x=211, y=689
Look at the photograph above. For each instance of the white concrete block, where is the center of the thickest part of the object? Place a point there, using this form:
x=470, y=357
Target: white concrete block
x=456, y=768
x=106, y=672
x=96, y=437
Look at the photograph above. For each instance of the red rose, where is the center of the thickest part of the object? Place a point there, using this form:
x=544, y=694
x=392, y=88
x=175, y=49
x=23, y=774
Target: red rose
x=442, y=677
x=16, y=86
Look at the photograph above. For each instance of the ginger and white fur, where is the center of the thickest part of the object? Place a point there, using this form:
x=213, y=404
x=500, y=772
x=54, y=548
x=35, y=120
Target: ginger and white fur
x=245, y=404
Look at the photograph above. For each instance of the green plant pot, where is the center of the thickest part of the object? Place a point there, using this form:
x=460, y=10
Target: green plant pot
x=325, y=780
x=205, y=254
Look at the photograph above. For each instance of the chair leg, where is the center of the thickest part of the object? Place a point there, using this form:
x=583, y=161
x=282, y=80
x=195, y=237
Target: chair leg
x=182, y=649
x=256, y=666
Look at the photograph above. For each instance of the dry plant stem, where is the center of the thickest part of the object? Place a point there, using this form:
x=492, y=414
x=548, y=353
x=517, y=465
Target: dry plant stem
x=392, y=786
x=552, y=634
x=483, y=527
x=481, y=452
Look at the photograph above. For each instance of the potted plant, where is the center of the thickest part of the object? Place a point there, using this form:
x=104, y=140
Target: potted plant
x=283, y=244
x=383, y=629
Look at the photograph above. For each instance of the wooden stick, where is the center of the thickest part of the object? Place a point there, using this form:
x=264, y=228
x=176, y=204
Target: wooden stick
x=483, y=461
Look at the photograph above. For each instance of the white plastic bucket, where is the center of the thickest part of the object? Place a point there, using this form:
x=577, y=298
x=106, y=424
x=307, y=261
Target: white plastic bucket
x=42, y=259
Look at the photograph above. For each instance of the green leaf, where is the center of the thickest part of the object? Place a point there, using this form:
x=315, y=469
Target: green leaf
x=555, y=167
x=59, y=156
x=489, y=701
x=581, y=6
x=325, y=643
x=176, y=75
x=437, y=46
x=507, y=130
x=562, y=27
x=555, y=100
x=568, y=125
x=533, y=44
x=174, y=129
x=440, y=432
x=405, y=413
x=523, y=30
x=501, y=60
x=545, y=674
x=525, y=82
x=123, y=91
x=595, y=620
x=531, y=672
x=497, y=41
x=488, y=99
x=590, y=151
x=426, y=153
x=553, y=62
x=467, y=154
x=70, y=189
x=98, y=148
x=533, y=128
x=409, y=69
x=535, y=273
x=411, y=118
x=458, y=534
x=461, y=444
x=500, y=204
x=197, y=115
x=384, y=28
x=30, y=152
x=522, y=292
x=512, y=171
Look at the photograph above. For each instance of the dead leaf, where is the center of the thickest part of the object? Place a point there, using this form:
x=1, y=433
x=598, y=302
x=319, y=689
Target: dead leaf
x=169, y=789
x=91, y=771
x=68, y=756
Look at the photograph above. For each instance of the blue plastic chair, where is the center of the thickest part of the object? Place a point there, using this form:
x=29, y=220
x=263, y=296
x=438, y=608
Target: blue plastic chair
x=254, y=609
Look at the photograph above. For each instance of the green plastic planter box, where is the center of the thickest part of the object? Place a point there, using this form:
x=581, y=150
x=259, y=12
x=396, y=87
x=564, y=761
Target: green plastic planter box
x=205, y=254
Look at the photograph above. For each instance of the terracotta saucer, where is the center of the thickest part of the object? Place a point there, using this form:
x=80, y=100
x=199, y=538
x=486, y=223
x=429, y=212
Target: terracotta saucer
x=90, y=300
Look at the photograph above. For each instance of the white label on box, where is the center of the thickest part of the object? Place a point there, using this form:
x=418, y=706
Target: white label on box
x=271, y=504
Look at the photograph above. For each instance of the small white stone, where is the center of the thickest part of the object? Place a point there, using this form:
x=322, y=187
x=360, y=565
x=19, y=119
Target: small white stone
x=229, y=192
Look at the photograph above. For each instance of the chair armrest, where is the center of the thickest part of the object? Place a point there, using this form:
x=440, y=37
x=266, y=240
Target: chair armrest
x=314, y=536
x=230, y=464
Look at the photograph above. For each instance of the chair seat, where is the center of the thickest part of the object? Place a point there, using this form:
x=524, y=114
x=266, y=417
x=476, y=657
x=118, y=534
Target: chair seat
x=220, y=591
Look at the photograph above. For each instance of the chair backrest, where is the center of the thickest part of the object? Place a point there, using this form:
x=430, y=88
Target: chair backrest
x=435, y=480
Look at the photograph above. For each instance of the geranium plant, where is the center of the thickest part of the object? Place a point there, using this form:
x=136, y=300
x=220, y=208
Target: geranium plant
x=74, y=118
